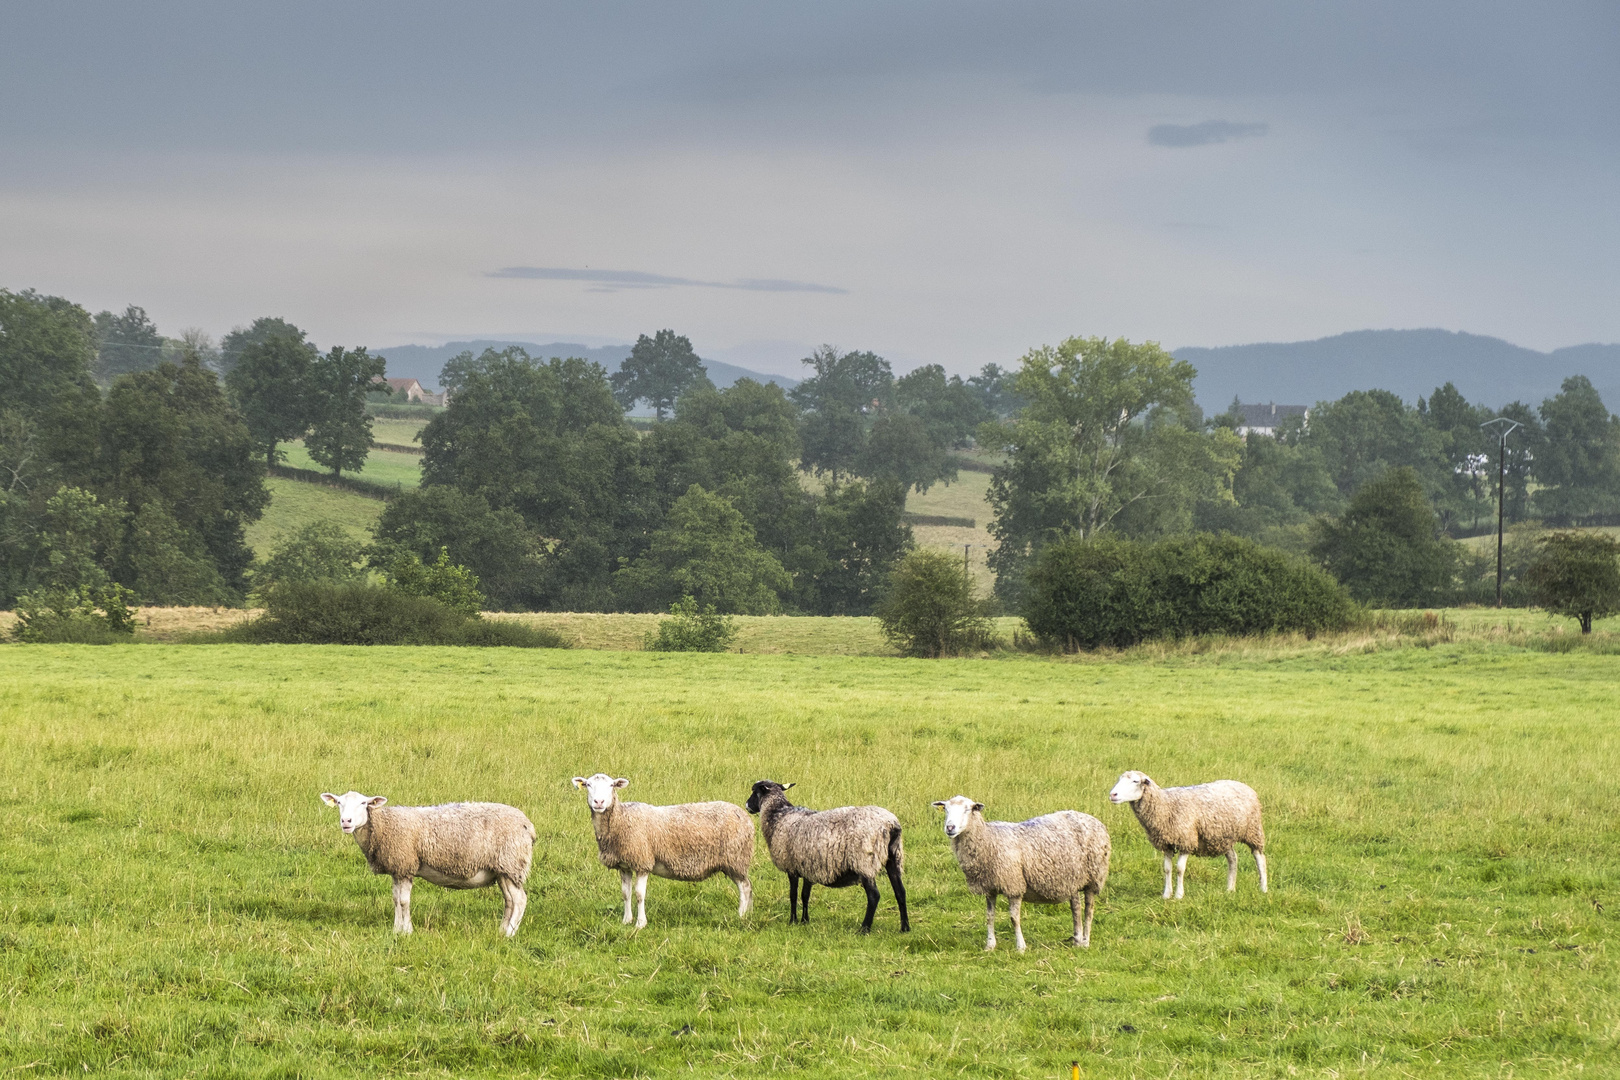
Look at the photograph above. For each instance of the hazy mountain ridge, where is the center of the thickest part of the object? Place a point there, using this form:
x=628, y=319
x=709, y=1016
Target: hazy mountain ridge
x=423, y=362
x=1487, y=370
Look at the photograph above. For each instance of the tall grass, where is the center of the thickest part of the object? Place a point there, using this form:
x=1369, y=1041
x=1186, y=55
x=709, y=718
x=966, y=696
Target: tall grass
x=175, y=900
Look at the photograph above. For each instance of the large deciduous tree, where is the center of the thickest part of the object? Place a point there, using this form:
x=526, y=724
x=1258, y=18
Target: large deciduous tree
x=1579, y=460
x=841, y=401
x=1577, y=575
x=706, y=550
x=1387, y=547
x=340, y=433
x=658, y=371
x=271, y=384
x=126, y=343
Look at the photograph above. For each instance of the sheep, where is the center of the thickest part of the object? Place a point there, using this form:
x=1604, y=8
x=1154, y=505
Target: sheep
x=1049, y=859
x=835, y=848
x=686, y=842
x=1209, y=819
x=457, y=846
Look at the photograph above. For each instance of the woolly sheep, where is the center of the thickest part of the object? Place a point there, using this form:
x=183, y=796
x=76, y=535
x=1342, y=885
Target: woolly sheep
x=457, y=846
x=687, y=842
x=835, y=848
x=1052, y=859
x=1209, y=819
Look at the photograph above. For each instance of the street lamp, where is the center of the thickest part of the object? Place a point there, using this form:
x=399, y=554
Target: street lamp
x=1503, y=427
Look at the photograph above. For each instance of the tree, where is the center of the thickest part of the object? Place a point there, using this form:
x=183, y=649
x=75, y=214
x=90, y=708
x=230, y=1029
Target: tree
x=845, y=547
x=320, y=551
x=237, y=341
x=1524, y=449
x=911, y=443
x=1577, y=575
x=658, y=371
x=1579, y=462
x=1106, y=440
x=340, y=437
x=1468, y=490
x=1386, y=547
x=126, y=343
x=494, y=544
x=930, y=610
x=452, y=585
x=453, y=375
x=271, y=382
x=993, y=388
x=1368, y=432
x=707, y=551
x=51, y=405
x=166, y=564
x=845, y=396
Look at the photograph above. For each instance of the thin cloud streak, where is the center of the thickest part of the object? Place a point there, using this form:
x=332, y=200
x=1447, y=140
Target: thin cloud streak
x=1210, y=131
x=613, y=280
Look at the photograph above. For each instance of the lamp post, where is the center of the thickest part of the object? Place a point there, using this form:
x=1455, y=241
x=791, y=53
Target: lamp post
x=1503, y=428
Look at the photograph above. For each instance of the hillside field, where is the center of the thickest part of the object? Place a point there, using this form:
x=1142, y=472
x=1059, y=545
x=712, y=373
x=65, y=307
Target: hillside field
x=175, y=900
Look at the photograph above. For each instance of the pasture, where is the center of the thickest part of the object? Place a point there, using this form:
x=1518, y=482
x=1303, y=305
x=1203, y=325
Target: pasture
x=174, y=899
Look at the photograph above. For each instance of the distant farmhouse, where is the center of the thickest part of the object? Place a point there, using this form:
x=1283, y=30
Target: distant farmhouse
x=1267, y=419
x=410, y=390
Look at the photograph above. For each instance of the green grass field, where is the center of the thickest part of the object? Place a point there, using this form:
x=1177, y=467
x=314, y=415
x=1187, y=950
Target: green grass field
x=382, y=466
x=174, y=899
x=295, y=504
x=398, y=432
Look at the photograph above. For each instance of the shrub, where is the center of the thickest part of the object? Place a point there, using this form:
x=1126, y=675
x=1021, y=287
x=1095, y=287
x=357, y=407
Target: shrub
x=81, y=616
x=930, y=609
x=1387, y=548
x=456, y=587
x=320, y=551
x=1106, y=591
x=330, y=613
x=1578, y=575
x=692, y=629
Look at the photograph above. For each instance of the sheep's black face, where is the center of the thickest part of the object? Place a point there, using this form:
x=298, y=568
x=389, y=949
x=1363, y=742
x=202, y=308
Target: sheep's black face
x=762, y=788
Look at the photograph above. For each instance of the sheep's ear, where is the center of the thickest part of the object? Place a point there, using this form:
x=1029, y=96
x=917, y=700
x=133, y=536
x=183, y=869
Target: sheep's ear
x=579, y=781
x=1146, y=781
x=940, y=805
x=979, y=806
x=786, y=786
x=621, y=782
x=375, y=801
x=328, y=798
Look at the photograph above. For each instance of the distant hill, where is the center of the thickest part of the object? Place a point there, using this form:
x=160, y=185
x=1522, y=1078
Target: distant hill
x=1488, y=371
x=423, y=362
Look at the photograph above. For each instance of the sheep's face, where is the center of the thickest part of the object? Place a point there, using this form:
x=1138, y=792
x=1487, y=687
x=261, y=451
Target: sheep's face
x=600, y=790
x=762, y=791
x=959, y=811
x=1130, y=787
x=353, y=808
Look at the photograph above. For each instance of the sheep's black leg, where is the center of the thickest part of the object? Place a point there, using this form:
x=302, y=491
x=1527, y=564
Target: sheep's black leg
x=804, y=904
x=871, y=903
x=899, y=896
x=793, y=899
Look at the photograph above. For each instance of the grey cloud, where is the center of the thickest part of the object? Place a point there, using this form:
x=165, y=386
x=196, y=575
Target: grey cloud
x=614, y=280
x=1210, y=131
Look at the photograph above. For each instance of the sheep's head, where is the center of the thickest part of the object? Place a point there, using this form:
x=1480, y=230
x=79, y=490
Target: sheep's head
x=1130, y=787
x=600, y=790
x=353, y=808
x=763, y=789
x=959, y=813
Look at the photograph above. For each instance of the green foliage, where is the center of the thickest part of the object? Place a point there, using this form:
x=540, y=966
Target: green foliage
x=930, y=610
x=1087, y=593
x=319, y=551
x=49, y=415
x=271, y=381
x=167, y=564
x=456, y=587
x=659, y=370
x=496, y=545
x=842, y=557
x=340, y=428
x=1366, y=433
x=235, y=343
x=1577, y=575
x=1578, y=462
x=841, y=401
x=691, y=628
x=1386, y=547
x=127, y=343
x=706, y=549
x=75, y=616
x=330, y=613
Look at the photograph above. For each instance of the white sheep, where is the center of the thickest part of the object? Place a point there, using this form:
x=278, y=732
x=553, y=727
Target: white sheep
x=1053, y=859
x=686, y=842
x=457, y=846
x=835, y=848
x=1208, y=819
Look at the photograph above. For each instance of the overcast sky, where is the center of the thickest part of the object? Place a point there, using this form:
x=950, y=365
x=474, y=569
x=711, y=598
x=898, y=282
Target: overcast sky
x=935, y=181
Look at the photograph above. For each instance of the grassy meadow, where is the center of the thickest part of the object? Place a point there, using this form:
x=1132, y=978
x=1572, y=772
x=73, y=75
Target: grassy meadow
x=295, y=504
x=174, y=899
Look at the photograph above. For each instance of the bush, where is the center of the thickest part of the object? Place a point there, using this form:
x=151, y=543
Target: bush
x=456, y=587
x=1105, y=591
x=1577, y=575
x=930, y=610
x=320, y=551
x=1387, y=547
x=330, y=613
x=692, y=629
x=81, y=616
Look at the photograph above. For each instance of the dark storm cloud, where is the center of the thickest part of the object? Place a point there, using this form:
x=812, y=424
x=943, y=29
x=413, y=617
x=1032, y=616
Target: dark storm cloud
x=1210, y=131
x=609, y=280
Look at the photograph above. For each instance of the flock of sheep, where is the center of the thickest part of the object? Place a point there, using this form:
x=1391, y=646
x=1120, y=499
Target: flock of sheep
x=1054, y=859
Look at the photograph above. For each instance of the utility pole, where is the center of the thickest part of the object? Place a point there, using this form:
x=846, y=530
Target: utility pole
x=967, y=574
x=1503, y=428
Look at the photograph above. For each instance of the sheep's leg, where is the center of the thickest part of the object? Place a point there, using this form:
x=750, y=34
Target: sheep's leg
x=517, y=901
x=1091, y=908
x=989, y=922
x=1015, y=909
x=627, y=884
x=870, y=886
x=745, y=895
x=402, y=905
x=1231, y=870
x=1181, y=874
x=793, y=899
x=804, y=903
x=1169, y=875
x=899, y=896
x=1260, y=861
x=641, y=901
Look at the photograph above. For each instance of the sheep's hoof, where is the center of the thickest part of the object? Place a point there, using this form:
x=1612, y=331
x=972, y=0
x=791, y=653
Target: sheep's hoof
x=865, y=930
